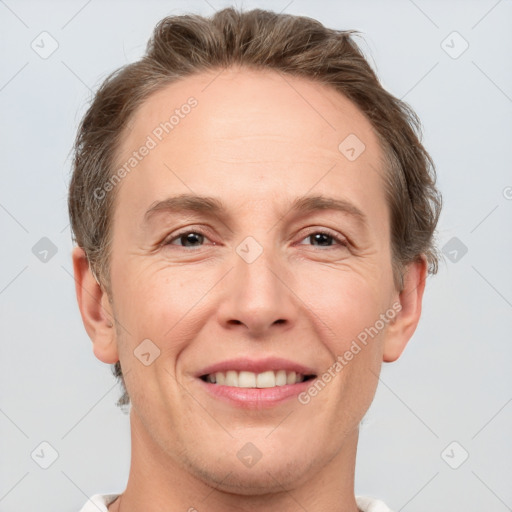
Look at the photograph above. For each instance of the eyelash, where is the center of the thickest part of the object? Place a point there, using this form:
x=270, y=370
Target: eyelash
x=339, y=240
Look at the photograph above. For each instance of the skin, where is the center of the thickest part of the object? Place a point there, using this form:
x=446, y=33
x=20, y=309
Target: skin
x=256, y=141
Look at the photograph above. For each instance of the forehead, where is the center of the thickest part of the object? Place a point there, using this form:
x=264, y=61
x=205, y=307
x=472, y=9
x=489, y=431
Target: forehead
x=270, y=103
x=250, y=130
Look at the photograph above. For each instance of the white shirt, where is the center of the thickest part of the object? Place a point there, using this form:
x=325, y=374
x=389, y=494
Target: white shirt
x=100, y=502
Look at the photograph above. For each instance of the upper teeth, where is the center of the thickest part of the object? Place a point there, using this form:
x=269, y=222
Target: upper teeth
x=244, y=379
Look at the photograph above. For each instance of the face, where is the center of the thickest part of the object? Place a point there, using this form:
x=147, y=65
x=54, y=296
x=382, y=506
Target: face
x=258, y=282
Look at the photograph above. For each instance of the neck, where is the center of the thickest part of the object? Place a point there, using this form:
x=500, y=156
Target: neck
x=161, y=481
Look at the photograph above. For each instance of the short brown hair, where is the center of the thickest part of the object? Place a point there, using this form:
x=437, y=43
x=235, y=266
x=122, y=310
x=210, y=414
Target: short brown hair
x=185, y=45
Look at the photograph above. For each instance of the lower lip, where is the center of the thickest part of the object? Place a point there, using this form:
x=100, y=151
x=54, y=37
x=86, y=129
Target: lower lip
x=255, y=398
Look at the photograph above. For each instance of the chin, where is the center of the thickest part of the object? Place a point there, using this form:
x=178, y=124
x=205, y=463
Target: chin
x=247, y=470
x=263, y=478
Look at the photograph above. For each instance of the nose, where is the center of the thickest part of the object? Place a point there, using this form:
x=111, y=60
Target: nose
x=258, y=298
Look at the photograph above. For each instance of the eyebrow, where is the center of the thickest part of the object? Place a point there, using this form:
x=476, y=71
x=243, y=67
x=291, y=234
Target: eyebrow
x=215, y=207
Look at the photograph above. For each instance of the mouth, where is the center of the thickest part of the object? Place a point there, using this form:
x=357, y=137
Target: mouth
x=247, y=379
x=255, y=384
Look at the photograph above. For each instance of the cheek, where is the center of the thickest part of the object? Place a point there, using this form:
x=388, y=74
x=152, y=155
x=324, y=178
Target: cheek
x=148, y=307
x=155, y=299
x=158, y=312
x=167, y=306
x=347, y=305
x=344, y=298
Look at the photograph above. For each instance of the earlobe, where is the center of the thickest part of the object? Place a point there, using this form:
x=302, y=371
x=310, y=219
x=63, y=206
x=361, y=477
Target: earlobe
x=410, y=298
x=95, y=309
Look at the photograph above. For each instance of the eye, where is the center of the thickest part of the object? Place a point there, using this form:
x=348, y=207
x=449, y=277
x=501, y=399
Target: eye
x=191, y=239
x=324, y=238
x=187, y=239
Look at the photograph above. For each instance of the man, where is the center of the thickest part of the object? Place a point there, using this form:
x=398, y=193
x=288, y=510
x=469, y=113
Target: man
x=254, y=216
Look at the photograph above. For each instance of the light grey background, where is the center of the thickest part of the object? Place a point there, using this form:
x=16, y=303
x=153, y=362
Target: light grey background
x=453, y=383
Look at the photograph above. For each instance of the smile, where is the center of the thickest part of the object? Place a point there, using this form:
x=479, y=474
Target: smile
x=247, y=379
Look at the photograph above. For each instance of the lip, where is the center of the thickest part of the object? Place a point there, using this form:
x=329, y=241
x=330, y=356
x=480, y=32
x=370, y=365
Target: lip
x=257, y=366
x=255, y=398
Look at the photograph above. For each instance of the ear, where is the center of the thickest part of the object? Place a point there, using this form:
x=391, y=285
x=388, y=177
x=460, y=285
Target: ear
x=95, y=309
x=400, y=331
